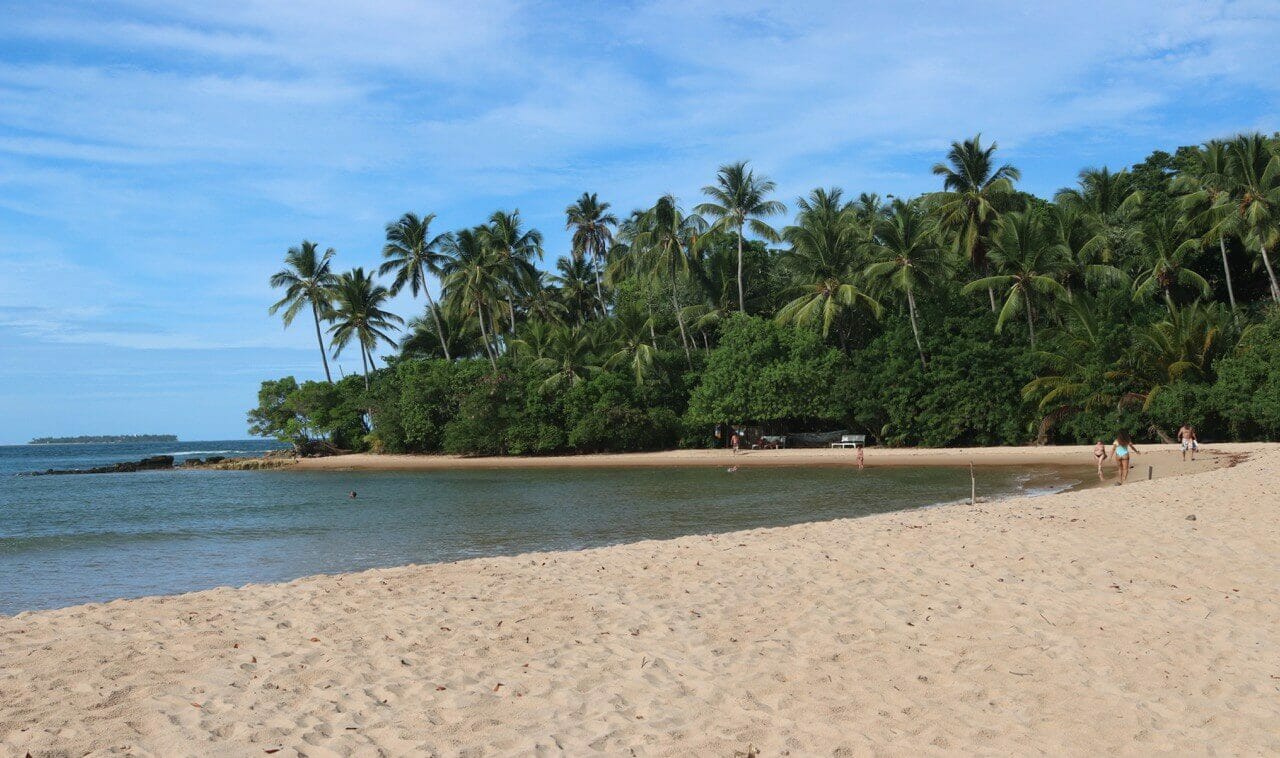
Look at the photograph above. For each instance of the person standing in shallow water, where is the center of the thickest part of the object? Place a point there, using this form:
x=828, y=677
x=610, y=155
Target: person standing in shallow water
x=1099, y=455
x=1122, y=448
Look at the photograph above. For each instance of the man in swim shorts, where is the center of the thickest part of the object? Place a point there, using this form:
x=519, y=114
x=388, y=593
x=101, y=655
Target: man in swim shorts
x=1187, y=437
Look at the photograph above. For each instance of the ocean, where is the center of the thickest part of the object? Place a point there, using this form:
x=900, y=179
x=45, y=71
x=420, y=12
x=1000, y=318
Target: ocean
x=66, y=540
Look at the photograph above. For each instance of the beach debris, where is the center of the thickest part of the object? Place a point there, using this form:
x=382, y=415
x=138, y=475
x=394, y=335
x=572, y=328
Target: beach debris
x=1191, y=517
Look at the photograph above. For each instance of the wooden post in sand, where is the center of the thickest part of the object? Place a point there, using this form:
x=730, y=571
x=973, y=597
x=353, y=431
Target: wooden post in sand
x=1149, y=471
x=973, y=485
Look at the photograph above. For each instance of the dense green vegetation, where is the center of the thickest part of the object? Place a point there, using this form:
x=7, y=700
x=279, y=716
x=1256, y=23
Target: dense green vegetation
x=978, y=314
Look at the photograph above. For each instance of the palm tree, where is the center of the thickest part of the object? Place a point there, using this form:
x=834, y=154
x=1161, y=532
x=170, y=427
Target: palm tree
x=1075, y=380
x=1207, y=185
x=574, y=282
x=1182, y=347
x=634, y=347
x=907, y=257
x=1168, y=249
x=359, y=314
x=516, y=249
x=1030, y=256
x=825, y=261
x=474, y=281
x=412, y=253
x=662, y=236
x=592, y=226
x=308, y=281
x=738, y=198
x=1109, y=205
x=1076, y=230
x=975, y=192
x=1255, y=175
x=569, y=357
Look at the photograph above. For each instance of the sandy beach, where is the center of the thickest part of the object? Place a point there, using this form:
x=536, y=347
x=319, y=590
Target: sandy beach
x=1134, y=620
x=1165, y=460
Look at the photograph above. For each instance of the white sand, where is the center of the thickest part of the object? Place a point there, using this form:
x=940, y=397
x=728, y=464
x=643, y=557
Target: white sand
x=1100, y=621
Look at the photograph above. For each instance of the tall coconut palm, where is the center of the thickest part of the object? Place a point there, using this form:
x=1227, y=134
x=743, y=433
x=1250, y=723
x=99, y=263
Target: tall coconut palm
x=573, y=279
x=739, y=199
x=825, y=262
x=1207, y=189
x=308, y=281
x=907, y=258
x=412, y=253
x=1076, y=230
x=1255, y=180
x=974, y=193
x=1109, y=204
x=592, y=227
x=475, y=281
x=516, y=248
x=660, y=245
x=359, y=314
x=1030, y=257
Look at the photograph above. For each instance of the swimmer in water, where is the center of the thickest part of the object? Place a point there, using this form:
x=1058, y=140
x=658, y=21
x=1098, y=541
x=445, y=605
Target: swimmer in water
x=353, y=494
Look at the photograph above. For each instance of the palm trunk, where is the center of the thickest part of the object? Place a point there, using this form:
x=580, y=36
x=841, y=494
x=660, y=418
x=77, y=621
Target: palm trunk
x=435, y=315
x=742, y=301
x=911, y=309
x=1226, y=270
x=675, y=305
x=315, y=312
x=653, y=336
x=511, y=308
x=1271, y=274
x=484, y=339
x=595, y=261
x=364, y=364
x=1031, y=327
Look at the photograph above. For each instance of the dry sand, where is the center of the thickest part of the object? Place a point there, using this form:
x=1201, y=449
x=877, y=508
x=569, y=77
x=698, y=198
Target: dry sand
x=1098, y=621
x=1165, y=459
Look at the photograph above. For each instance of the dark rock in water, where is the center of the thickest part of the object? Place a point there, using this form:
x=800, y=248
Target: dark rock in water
x=154, y=463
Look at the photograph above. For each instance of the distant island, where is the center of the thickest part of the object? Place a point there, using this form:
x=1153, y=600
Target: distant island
x=103, y=438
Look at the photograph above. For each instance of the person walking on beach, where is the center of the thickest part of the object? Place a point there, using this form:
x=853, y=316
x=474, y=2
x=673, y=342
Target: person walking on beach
x=1099, y=455
x=733, y=442
x=1187, y=437
x=861, y=463
x=1121, y=449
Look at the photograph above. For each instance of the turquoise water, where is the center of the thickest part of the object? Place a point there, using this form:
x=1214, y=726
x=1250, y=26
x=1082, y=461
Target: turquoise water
x=72, y=539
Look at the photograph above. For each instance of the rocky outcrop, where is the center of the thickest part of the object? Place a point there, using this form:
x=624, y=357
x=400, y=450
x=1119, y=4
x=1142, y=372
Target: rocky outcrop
x=153, y=463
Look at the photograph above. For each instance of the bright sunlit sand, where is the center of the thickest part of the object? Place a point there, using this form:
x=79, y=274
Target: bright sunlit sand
x=1137, y=620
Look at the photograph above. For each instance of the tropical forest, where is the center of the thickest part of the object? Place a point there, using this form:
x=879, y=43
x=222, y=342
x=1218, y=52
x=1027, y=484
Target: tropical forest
x=1137, y=299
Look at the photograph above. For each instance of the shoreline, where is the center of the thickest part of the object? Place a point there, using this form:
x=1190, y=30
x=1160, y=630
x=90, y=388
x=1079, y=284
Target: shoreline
x=1023, y=623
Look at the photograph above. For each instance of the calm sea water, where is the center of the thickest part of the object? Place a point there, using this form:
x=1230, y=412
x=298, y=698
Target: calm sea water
x=72, y=539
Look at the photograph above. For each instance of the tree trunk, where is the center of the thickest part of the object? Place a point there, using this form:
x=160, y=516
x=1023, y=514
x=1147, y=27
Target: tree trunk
x=364, y=364
x=742, y=300
x=435, y=315
x=653, y=336
x=675, y=304
x=911, y=309
x=1031, y=328
x=315, y=312
x=484, y=338
x=511, y=308
x=595, y=263
x=1226, y=270
x=1271, y=274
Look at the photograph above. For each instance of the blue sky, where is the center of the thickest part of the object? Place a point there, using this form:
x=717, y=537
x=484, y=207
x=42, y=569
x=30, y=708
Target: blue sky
x=157, y=158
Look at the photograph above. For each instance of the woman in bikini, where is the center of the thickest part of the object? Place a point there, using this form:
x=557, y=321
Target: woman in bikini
x=1099, y=455
x=1121, y=449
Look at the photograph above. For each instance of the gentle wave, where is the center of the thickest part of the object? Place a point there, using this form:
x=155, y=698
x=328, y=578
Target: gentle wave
x=209, y=452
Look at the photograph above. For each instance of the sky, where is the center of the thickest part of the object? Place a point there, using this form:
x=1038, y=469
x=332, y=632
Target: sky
x=158, y=158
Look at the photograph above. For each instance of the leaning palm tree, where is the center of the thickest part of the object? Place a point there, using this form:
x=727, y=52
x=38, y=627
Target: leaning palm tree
x=359, y=314
x=475, y=282
x=412, y=253
x=592, y=226
x=1255, y=184
x=1206, y=199
x=974, y=194
x=739, y=199
x=825, y=262
x=1029, y=255
x=308, y=281
x=907, y=258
